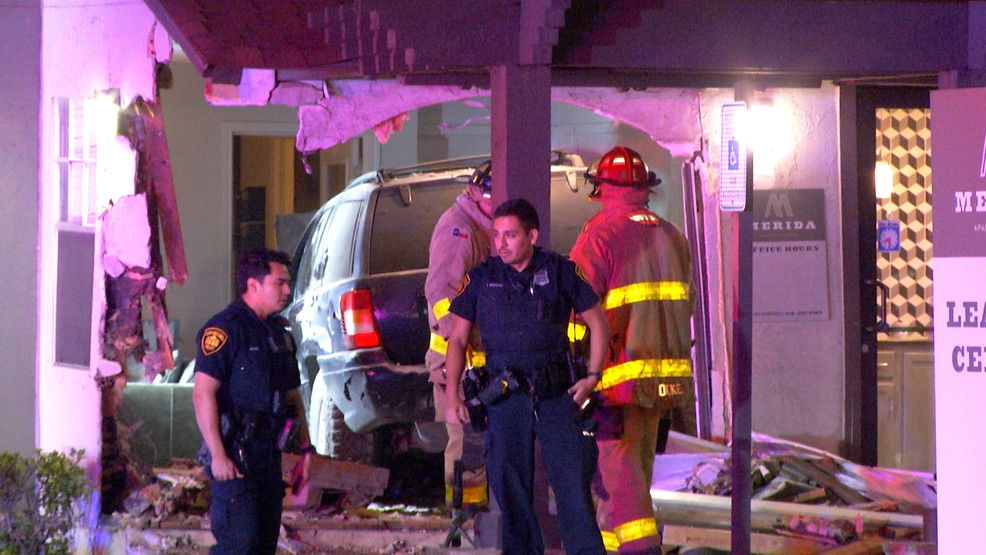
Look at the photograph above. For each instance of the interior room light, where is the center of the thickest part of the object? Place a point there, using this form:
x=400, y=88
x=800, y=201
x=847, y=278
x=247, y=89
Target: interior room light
x=883, y=177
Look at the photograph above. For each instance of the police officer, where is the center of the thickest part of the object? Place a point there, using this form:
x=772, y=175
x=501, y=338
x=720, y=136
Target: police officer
x=246, y=378
x=522, y=301
x=640, y=265
x=460, y=241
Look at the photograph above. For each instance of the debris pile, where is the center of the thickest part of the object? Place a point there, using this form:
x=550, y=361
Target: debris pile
x=804, y=500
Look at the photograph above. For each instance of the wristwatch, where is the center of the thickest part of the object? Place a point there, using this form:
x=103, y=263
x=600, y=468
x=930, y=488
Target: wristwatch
x=598, y=375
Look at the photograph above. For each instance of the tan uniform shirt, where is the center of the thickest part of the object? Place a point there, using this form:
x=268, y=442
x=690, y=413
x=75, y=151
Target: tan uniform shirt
x=460, y=241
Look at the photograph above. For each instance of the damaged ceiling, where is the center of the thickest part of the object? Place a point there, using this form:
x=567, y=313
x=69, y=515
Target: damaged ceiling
x=628, y=44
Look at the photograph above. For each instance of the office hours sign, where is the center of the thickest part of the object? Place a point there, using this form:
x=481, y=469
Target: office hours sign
x=790, y=257
x=959, y=209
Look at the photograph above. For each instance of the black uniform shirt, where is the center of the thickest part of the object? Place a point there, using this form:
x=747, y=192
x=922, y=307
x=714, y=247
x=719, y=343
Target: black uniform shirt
x=523, y=316
x=253, y=358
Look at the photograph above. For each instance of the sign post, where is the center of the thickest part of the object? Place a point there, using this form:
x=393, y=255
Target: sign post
x=735, y=187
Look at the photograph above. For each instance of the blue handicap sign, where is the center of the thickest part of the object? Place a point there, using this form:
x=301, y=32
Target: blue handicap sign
x=734, y=154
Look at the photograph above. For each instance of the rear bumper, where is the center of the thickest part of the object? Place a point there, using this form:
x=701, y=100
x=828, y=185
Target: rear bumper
x=371, y=391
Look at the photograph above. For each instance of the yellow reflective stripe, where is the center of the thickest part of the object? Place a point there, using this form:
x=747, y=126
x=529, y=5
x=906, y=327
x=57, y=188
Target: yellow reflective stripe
x=645, y=368
x=438, y=344
x=635, y=530
x=646, y=291
x=476, y=358
x=575, y=332
x=610, y=541
x=441, y=308
x=472, y=494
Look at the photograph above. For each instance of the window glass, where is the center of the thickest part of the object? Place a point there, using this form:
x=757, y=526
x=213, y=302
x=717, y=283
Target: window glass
x=402, y=232
x=569, y=212
x=303, y=274
x=328, y=254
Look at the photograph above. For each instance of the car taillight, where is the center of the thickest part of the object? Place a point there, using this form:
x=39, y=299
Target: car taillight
x=357, y=319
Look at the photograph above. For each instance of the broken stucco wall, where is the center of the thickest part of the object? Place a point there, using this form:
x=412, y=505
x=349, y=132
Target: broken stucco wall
x=798, y=367
x=87, y=48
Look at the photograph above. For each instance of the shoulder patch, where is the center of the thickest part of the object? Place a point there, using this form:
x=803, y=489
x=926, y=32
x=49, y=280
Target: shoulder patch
x=462, y=285
x=213, y=339
x=456, y=232
x=581, y=273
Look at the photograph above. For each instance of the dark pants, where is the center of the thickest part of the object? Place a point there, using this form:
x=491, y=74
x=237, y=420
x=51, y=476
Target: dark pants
x=246, y=512
x=510, y=467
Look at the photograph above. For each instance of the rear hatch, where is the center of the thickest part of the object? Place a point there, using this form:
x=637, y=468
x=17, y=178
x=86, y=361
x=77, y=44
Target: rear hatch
x=396, y=262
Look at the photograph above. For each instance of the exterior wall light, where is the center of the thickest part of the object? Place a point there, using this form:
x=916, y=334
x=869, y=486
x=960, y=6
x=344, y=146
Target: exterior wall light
x=883, y=178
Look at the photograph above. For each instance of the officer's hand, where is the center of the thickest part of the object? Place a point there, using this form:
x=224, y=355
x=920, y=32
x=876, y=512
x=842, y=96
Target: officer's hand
x=455, y=411
x=581, y=389
x=223, y=468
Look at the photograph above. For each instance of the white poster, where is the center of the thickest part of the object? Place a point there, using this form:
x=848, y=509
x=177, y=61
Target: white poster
x=959, y=205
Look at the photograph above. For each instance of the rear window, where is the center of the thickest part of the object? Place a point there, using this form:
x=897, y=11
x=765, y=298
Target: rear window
x=402, y=231
x=569, y=212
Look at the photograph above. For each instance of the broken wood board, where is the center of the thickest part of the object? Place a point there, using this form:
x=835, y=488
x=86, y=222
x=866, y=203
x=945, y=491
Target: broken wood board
x=691, y=536
x=359, y=483
x=865, y=546
x=673, y=507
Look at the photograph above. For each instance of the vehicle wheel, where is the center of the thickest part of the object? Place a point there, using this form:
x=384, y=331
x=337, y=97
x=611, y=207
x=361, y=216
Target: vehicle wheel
x=331, y=436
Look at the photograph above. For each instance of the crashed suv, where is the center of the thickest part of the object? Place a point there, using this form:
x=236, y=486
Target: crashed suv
x=359, y=314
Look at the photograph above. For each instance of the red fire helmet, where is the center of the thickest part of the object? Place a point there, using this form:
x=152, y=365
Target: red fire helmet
x=623, y=167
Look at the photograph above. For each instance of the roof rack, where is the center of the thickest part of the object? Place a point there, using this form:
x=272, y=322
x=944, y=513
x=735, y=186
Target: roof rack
x=558, y=158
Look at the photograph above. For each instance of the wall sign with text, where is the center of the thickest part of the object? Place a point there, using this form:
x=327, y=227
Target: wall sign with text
x=790, y=258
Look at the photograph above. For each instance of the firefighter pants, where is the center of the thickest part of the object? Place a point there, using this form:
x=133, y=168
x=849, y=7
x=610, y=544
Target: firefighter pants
x=245, y=513
x=626, y=466
x=466, y=444
x=513, y=426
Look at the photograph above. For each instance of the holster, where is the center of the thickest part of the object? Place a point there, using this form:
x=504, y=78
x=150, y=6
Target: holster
x=475, y=381
x=609, y=422
x=552, y=379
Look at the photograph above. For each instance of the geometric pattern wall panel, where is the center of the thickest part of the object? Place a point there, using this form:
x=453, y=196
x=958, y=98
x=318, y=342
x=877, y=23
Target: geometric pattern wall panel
x=903, y=140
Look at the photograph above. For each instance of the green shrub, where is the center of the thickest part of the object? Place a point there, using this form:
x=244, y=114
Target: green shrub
x=36, y=500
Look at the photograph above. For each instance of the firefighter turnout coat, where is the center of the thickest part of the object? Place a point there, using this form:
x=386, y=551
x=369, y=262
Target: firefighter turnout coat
x=460, y=241
x=640, y=265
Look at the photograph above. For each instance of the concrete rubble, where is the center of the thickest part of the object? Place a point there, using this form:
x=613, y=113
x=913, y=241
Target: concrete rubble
x=804, y=500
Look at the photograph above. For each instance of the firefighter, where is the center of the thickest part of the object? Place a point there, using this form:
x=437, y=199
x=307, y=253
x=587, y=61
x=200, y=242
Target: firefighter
x=460, y=241
x=640, y=265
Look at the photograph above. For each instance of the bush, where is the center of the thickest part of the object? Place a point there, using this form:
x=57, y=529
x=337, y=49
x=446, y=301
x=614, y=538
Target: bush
x=36, y=500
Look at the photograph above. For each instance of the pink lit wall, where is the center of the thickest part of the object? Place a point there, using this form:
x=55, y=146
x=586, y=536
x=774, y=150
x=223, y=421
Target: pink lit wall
x=88, y=47
x=20, y=42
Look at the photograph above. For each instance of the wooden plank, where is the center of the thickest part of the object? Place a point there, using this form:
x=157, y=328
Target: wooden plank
x=865, y=546
x=711, y=506
x=691, y=536
x=822, y=478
